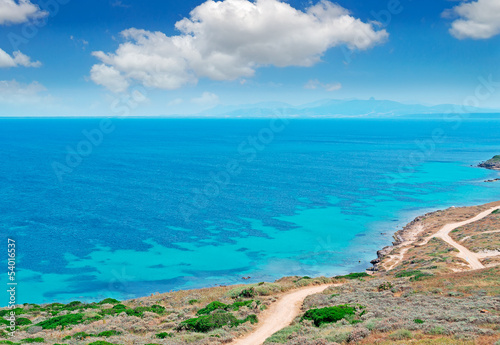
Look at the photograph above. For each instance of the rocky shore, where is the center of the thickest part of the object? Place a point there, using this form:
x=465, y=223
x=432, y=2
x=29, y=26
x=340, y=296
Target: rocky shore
x=492, y=164
x=408, y=234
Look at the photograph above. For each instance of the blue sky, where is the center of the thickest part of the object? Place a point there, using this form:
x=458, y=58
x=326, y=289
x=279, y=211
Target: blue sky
x=71, y=58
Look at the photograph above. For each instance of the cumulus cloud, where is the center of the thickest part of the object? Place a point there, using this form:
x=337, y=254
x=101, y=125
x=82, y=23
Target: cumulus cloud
x=315, y=84
x=17, y=59
x=478, y=19
x=12, y=91
x=19, y=11
x=109, y=77
x=230, y=39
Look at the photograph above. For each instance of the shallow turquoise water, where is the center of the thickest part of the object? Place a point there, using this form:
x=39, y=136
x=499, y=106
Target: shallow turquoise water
x=313, y=199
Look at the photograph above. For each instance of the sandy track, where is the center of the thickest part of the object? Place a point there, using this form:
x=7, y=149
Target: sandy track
x=279, y=315
x=444, y=233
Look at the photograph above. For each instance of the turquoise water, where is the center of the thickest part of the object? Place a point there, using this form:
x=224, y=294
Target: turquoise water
x=159, y=205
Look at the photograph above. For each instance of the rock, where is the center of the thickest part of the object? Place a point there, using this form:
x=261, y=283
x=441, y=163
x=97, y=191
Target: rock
x=34, y=329
x=493, y=163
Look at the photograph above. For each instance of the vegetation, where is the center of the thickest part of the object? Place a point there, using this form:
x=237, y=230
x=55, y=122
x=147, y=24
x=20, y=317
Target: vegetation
x=63, y=321
x=217, y=320
x=353, y=276
x=328, y=314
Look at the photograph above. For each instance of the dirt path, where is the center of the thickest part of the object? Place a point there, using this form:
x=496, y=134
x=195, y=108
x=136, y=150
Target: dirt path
x=464, y=253
x=484, y=232
x=279, y=315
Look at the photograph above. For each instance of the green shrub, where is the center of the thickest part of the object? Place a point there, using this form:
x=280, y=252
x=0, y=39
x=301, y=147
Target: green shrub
x=209, y=322
x=158, y=309
x=236, y=305
x=17, y=311
x=353, y=276
x=65, y=320
x=496, y=211
x=247, y=293
x=33, y=340
x=328, y=314
x=164, y=335
x=193, y=301
x=81, y=335
x=21, y=321
x=213, y=321
x=109, y=301
x=418, y=321
x=100, y=342
x=250, y=318
x=119, y=307
x=216, y=305
x=108, y=334
x=137, y=312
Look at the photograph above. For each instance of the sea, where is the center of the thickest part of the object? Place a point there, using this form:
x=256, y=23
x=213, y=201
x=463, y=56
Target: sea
x=125, y=208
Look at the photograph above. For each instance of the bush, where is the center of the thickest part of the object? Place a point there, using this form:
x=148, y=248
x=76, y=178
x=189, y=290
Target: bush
x=418, y=321
x=193, y=301
x=216, y=305
x=353, y=276
x=106, y=334
x=164, y=335
x=119, y=307
x=209, y=322
x=236, y=305
x=81, y=335
x=109, y=301
x=213, y=321
x=328, y=314
x=65, y=320
x=33, y=340
x=247, y=293
x=100, y=342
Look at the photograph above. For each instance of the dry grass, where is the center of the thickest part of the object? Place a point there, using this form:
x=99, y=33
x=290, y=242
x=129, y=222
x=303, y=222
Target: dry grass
x=478, y=236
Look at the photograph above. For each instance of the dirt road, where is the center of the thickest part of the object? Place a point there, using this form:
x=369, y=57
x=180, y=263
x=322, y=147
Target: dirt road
x=464, y=253
x=279, y=315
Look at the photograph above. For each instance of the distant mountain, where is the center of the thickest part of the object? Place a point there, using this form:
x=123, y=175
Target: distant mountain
x=337, y=108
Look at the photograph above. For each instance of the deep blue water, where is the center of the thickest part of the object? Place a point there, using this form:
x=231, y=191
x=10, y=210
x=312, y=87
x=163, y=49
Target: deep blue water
x=169, y=204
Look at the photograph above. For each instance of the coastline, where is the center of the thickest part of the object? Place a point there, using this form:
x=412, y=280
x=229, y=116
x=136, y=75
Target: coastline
x=414, y=231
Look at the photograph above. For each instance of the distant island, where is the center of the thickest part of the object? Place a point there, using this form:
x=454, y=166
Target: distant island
x=493, y=163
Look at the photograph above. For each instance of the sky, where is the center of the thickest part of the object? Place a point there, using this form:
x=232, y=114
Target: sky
x=158, y=57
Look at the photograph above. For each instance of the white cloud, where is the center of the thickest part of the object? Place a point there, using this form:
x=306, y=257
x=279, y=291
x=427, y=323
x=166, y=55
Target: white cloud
x=315, y=84
x=19, y=11
x=206, y=99
x=12, y=91
x=108, y=77
x=230, y=39
x=17, y=59
x=478, y=19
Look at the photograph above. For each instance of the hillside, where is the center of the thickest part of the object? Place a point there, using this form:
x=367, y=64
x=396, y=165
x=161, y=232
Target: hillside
x=422, y=292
